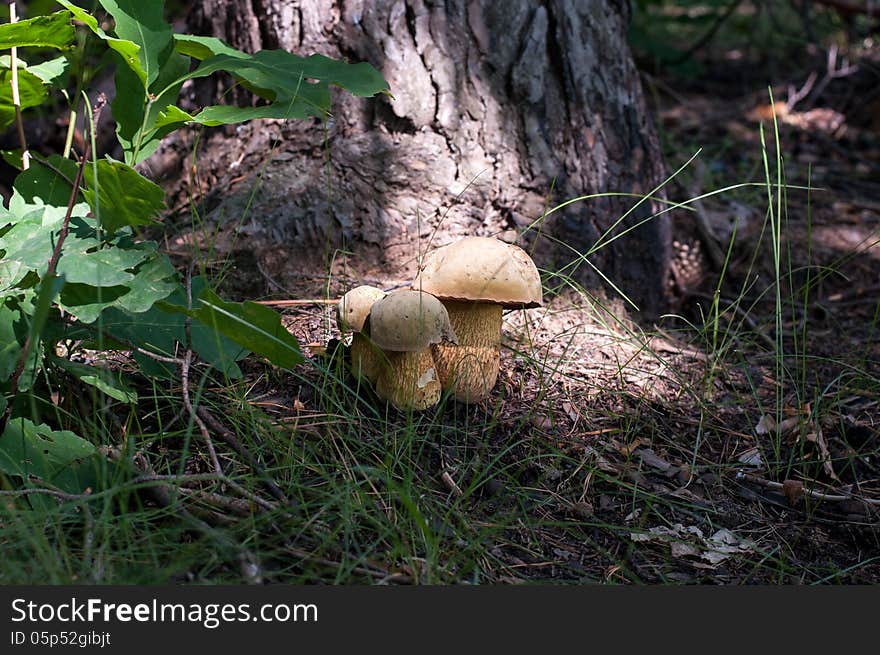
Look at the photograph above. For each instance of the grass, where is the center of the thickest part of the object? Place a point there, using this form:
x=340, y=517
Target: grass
x=606, y=454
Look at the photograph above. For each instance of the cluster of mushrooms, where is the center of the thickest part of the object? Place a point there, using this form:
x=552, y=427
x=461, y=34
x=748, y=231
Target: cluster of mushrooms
x=444, y=332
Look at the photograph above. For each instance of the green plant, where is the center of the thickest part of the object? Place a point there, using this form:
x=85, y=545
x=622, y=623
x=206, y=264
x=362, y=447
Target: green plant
x=76, y=271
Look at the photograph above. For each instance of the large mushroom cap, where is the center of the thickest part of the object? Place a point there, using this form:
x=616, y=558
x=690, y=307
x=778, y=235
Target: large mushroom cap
x=409, y=321
x=354, y=307
x=481, y=269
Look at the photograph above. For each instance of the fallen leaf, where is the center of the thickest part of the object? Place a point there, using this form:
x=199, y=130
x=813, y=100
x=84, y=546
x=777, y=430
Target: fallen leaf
x=723, y=544
x=818, y=438
x=751, y=457
x=627, y=449
x=681, y=549
x=793, y=490
x=650, y=458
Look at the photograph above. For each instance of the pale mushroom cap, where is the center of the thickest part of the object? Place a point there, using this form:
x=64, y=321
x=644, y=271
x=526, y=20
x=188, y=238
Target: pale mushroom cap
x=481, y=269
x=409, y=321
x=354, y=307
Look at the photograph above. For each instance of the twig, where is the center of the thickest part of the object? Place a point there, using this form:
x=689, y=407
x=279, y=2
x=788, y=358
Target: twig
x=810, y=493
x=232, y=441
x=832, y=72
x=74, y=192
x=795, y=96
x=203, y=429
x=45, y=492
x=298, y=303
x=16, y=98
x=703, y=40
x=237, y=505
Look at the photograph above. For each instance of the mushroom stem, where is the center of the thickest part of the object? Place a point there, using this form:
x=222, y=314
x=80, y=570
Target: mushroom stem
x=365, y=360
x=469, y=370
x=408, y=380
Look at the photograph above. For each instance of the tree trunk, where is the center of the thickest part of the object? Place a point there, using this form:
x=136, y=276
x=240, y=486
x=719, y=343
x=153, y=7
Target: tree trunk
x=501, y=110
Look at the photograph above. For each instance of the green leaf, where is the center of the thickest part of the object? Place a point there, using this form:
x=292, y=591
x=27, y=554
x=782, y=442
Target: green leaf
x=29, y=244
x=103, y=268
x=47, y=291
x=11, y=273
x=127, y=50
x=143, y=24
x=86, y=302
x=162, y=327
x=255, y=327
x=279, y=72
x=16, y=317
x=10, y=347
x=50, y=182
x=275, y=75
x=202, y=47
x=155, y=280
x=104, y=380
x=58, y=457
x=164, y=70
x=52, y=31
x=32, y=93
x=50, y=71
x=228, y=114
x=124, y=196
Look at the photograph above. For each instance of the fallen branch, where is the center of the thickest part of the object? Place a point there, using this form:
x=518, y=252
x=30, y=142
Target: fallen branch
x=804, y=491
x=298, y=303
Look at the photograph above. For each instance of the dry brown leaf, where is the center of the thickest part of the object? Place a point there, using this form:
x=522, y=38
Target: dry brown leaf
x=819, y=439
x=627, y=449
x=794, y=491
x=650, y=458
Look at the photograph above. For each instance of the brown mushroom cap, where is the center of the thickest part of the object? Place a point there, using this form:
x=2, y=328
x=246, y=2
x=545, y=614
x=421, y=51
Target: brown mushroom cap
x=409, y=321
x=481, y=269
x=354, y=307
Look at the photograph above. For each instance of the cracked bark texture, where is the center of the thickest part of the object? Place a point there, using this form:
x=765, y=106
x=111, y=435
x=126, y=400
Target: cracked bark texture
x=501, y=109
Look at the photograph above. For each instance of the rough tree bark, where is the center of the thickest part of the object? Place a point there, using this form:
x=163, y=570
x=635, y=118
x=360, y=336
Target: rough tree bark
x=506, y=100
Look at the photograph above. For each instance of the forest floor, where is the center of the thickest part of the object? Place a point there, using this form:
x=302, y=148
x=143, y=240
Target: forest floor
x=734, y=441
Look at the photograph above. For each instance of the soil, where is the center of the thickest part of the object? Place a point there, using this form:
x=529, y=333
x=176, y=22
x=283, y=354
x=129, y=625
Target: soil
x=654, y=408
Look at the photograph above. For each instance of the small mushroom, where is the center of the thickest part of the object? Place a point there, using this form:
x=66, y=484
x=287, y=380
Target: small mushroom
x=404, y=324
x=352, y=312
x=476, y=278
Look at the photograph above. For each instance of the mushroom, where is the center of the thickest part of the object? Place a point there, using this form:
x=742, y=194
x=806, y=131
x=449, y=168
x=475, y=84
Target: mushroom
x=352, y=312
x=476, y=278
x=404, y=324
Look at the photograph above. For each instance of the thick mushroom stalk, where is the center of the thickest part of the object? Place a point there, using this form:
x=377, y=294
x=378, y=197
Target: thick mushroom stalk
x=404, y=325
x=470, y=368
x=352, y=313
x=410, y=380
x=476, y=278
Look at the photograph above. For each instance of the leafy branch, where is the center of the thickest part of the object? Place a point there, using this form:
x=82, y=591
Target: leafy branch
x=72, y=266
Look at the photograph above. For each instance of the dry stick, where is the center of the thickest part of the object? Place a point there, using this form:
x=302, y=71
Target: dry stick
x=298, y=303
x=16, y=99
x=56, y=255
x=703, y=40
x=232, y=441
x=203, y=429
x=810, y=493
